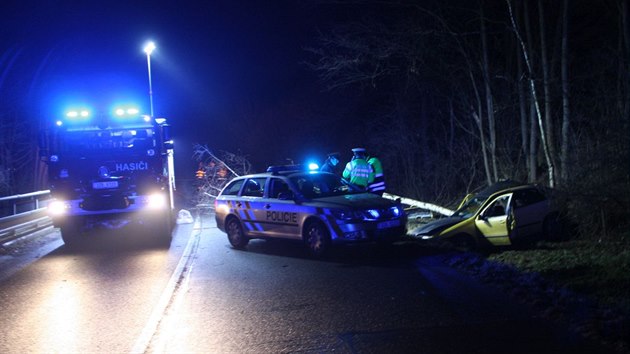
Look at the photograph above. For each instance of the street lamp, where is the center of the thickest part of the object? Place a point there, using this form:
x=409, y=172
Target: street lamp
x=148, y=48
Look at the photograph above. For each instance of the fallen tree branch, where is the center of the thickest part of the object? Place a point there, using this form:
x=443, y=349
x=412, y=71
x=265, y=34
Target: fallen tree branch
x=422, y=205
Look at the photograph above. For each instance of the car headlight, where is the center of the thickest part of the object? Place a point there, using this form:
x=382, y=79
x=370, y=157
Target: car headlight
x=347, y=215
x=358, y=215
x=156, y=201
x=373, y=214
x=396, y=210
x=58, y=207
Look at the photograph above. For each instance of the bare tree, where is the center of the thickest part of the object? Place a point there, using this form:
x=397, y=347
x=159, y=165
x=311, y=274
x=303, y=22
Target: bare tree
x=485, y=68
x=17, y=151
x=532, y=86
x=215, y=171
x=566, y=110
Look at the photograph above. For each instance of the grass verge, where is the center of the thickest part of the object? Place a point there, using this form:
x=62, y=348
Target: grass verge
x=599, y=270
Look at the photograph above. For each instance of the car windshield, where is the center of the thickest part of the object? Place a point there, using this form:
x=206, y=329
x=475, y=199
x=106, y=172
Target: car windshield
x=320, y=185
x=470, y=207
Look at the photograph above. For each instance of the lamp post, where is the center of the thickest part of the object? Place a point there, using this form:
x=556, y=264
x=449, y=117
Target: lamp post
x=148, y=48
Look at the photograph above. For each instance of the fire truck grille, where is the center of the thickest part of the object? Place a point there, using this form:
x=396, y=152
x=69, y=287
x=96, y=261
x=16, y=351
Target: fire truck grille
x=104, y=203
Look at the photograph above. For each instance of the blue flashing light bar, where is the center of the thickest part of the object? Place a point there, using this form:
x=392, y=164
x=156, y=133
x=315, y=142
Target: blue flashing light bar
x=126, y=112
x=78, y=114
x=83, y=116
x=291, y=168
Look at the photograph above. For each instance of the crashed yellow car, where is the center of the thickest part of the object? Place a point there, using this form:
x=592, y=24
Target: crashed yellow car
x=500, y=215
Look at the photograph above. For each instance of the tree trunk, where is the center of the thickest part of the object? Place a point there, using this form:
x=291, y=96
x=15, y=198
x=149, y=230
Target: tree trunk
x=623, y=86
x=549, y=161
x=532, y=166
x=566, y=113
x=477, y=117
x=522, y=105
x=492, y=135
x=544, y=62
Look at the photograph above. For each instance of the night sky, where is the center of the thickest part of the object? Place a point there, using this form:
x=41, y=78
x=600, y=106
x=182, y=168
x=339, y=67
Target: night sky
x=220, y=67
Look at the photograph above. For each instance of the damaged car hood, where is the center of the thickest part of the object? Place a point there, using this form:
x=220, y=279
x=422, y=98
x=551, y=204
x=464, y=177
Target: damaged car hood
x=436, y=226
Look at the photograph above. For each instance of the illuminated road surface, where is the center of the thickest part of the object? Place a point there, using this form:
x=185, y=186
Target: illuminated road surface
x=271, y=298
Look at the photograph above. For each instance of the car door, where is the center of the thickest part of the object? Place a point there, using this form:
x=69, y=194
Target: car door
x=492, y=221
x=530, y=207
x=251, y=206
x=281, y=211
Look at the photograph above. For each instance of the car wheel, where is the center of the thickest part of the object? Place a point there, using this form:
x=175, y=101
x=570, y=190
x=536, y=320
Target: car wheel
x=317, y=238
x=164, y=229
x=463, y=243
x=71, y=234
x=235, y=234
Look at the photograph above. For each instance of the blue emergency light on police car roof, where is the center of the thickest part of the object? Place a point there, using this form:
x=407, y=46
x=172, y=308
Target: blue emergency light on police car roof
x=78, y=114
x=312, y=167
x=284, y=168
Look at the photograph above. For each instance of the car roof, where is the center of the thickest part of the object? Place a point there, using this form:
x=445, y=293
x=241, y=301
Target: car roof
x=501, y=186
x=290, y=173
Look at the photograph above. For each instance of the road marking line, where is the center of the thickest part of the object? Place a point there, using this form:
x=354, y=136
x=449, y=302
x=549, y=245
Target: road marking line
x=175, y=283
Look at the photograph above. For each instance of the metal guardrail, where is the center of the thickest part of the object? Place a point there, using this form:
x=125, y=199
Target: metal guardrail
x=14, y=232
x=23, y=214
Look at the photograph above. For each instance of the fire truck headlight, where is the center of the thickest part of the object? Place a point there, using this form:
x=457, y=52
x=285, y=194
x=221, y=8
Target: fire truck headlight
x=157, y=201
x=58, y=207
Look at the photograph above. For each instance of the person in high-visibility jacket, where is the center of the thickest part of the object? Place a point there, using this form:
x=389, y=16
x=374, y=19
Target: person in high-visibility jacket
x=377, y=185
x=358, y=171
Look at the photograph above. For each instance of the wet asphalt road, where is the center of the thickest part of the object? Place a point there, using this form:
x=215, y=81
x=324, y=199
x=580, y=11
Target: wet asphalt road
x=200, y=295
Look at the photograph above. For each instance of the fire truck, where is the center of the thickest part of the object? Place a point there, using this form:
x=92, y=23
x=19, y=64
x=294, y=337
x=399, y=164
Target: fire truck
x=109, y=170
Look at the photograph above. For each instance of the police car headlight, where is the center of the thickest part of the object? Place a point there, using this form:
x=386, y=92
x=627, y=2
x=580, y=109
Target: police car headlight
x=347, y=215
x=373, y=214
x=58, y=207
x=156, y=201
x=396, y=210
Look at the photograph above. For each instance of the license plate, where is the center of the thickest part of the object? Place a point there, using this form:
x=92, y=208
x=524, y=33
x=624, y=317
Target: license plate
x=388, y=224
x=105, y=185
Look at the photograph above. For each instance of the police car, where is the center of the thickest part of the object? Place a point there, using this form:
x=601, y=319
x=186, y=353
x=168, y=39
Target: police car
x=315, y=207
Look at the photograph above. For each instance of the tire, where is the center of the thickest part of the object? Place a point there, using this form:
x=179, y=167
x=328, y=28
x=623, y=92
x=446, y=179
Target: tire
x=164, y=230
x=463, y=243
x=235, y=233
x=317, y=239
x=71, y=234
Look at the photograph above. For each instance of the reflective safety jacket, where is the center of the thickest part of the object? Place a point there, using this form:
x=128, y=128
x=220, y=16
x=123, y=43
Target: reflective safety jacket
x=358, y=172
x=378, y=179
